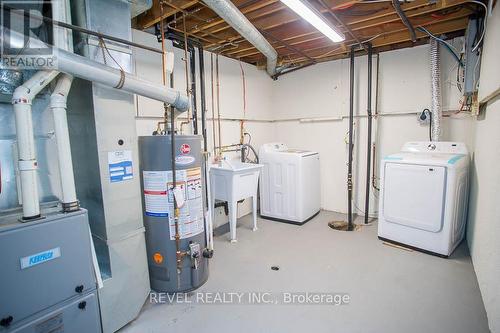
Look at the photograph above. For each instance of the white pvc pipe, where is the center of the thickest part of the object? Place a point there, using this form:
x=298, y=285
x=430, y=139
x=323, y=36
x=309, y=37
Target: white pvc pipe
x=93, y=71
x=58, y=99
x=58, y=106
x=90, y=70
x=28, y=164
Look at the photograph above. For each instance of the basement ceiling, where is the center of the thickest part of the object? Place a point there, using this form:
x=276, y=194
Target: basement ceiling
x=300, y=44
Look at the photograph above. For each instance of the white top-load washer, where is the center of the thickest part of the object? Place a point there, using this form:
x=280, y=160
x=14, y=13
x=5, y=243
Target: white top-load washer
x=289, y=183
x=423, y=196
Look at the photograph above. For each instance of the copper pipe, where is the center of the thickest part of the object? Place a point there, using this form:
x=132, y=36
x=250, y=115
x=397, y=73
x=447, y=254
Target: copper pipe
x=212, y=95
x=374, y=177
x=242, y=122
x=163, y=52
x=218, y=99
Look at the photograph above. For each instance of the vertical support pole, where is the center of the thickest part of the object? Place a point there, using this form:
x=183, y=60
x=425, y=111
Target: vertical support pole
x=369, y=134
x=350, y=225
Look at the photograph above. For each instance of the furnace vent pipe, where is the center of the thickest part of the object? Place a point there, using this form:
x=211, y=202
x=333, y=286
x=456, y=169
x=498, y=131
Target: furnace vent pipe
x=21, y=100
x=58, y=101
x=229, y=13
x=87, y=69
x=93, y=71
x=435, y=91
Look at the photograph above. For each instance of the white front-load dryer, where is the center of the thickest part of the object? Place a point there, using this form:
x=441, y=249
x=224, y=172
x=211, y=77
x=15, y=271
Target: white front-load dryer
x=423, y=196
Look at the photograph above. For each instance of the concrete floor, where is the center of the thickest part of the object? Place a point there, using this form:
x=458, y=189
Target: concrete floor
x=391, y=290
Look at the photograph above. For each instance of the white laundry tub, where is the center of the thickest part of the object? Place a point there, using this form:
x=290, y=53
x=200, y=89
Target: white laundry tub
x=232, y=181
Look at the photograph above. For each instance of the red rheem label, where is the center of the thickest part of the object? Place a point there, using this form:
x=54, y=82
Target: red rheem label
x=185, y=148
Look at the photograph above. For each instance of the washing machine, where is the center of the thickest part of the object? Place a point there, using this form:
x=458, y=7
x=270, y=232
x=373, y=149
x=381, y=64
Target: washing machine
x=289, y=184
x=423, y=196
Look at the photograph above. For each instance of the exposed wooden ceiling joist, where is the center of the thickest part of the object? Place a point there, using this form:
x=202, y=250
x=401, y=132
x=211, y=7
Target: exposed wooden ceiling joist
x=296, y=40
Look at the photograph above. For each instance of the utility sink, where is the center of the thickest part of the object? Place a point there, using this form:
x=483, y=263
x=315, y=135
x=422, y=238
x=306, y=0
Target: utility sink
x=232, y=181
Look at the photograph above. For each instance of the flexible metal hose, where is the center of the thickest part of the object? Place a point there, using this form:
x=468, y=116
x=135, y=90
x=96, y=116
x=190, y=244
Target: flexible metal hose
x=436, y=91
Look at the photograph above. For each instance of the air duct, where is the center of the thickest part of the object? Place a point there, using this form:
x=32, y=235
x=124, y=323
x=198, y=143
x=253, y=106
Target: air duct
x=435, y=91
x=229, y=13
x=93, y=71
x=9, y=81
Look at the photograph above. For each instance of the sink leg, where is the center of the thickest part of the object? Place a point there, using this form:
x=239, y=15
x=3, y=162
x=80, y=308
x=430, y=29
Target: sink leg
x=233, y=211
x=254, y=212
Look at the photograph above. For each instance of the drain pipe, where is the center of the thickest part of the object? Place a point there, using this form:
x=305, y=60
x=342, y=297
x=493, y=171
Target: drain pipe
x=350, y=225
x=436, y=90
x=369, y=134
x=87, y=69
x=21, y=100
x=229, y=13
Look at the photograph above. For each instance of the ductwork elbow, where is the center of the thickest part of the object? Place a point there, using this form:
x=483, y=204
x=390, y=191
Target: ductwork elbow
x=181, y=102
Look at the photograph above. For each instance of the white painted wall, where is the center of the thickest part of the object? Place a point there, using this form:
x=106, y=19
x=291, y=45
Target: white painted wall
x=283, y=110
x=258, y=98
x=483, y=232
x=322, y=91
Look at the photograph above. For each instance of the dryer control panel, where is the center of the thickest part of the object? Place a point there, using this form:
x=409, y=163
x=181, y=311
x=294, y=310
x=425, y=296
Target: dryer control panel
x=443, y=147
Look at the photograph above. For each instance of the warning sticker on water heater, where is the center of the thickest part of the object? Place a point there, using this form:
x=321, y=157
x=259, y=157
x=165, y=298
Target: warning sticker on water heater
x=155, y=193
x=159, y=199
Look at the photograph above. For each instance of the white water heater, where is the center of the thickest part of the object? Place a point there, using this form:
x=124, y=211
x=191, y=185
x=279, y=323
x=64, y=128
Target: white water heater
x=289, y=184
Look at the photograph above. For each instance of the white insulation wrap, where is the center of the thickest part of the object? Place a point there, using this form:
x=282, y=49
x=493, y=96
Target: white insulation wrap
x=436, y=90
x=227, y=11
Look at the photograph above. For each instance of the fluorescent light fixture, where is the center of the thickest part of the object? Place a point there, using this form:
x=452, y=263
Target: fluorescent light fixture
x=311, y=15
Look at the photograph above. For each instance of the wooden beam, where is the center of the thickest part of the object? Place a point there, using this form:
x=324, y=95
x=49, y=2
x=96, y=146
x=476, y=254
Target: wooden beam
x=398, y=37
x=246, y=10
x=380, y=21
x=281, y=15
x=155, y=13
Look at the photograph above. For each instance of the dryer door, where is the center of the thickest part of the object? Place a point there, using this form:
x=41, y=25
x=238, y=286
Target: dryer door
x=414, y=195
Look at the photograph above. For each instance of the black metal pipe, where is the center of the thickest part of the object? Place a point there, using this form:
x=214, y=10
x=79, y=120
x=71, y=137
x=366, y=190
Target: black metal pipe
x=32, y=16
x=192, y=69
x=350, y=225
x=404, y=19
x=178, y=41
x=201, y=60
x=369, y=134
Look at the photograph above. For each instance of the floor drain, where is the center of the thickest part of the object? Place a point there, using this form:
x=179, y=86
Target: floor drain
x=275, y=268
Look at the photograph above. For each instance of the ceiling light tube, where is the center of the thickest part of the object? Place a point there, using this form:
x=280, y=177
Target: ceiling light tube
x=314, y=17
